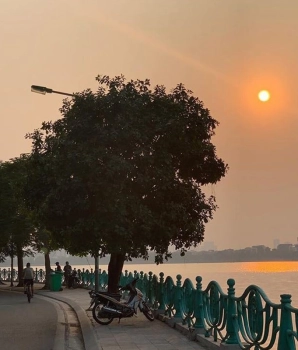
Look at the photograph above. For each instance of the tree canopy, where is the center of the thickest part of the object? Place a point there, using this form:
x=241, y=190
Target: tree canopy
x=15, y=223
x=122, y=171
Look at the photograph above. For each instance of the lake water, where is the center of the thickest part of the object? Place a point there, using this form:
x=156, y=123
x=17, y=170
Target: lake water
x=275, y=278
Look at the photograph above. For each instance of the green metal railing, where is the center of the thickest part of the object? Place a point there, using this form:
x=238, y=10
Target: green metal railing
x=250, y=320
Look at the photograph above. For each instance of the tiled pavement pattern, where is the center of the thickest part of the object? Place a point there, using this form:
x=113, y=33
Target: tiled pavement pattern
x=130, y=334
x=139, y=333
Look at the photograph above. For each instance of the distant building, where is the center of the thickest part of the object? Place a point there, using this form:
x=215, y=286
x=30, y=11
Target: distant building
x=259, y=249
x=247, y=249
x=275, y=243
x=286, y=247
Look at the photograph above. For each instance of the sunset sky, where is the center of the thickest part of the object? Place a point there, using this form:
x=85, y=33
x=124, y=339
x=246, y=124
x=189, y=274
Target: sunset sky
x=225, y=51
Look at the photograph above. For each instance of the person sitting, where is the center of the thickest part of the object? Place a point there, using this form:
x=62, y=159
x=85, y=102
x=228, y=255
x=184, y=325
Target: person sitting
x=73, y=279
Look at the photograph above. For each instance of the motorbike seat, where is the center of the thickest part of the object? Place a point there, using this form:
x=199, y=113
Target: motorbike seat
x=116, y=296
x=107, y=296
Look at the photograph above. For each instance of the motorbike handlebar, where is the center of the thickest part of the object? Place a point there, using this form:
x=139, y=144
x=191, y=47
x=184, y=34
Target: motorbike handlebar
x=130, y=285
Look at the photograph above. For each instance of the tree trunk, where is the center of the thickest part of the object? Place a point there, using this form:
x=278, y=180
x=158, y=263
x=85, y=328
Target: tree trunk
x=11, y=268
x=114, y=271
x=20, y=266
x=47, y=263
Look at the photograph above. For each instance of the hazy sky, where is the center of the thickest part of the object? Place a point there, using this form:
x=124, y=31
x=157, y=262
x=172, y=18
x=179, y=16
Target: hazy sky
x=225, y=51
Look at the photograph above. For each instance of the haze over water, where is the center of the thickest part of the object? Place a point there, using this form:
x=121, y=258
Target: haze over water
x=224, y=51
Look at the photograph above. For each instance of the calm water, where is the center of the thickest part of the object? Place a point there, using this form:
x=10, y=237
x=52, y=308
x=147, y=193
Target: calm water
x=275, y=278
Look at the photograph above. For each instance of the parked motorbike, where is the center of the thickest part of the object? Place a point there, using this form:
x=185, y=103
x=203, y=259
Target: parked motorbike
x=94, y=296
x=107, y=307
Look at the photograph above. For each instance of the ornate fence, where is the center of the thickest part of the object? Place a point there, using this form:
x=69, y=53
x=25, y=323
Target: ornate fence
x=5, y=275
x=86, y=277
x=248, y=321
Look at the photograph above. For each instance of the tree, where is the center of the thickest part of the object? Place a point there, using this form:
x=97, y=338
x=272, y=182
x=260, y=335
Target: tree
x=15, y=221
x=6, y=209
x=42, y=240
x=123, y=171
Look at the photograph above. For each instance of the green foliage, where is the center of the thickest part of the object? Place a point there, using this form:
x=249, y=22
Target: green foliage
x=15, y=223
x=6, y=205
x=122, y=171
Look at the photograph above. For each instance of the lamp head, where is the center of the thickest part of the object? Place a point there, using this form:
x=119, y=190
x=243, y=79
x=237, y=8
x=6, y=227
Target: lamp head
x=41, y=89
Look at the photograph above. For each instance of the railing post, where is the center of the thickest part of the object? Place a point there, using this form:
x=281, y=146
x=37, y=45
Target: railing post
x=83, y=277
x=96, y=275
x=177, y=297
x=6, y=274
x=140, y=282
x=36, y=275
x=198, y=307
x=161, y=299
x=285, y=339
x=1, y=273
x=123, y=278
x=100, y=280
x=92, y=278
x=150, y=287
x=231, y=334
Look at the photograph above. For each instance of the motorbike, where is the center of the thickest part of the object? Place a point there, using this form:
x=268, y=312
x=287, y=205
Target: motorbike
x=94, y=296
x=107, y=306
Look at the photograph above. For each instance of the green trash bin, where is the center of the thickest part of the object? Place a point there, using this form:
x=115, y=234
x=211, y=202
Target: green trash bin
x=56, y=281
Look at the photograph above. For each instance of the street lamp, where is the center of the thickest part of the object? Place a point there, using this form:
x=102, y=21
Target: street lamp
x=43, y=90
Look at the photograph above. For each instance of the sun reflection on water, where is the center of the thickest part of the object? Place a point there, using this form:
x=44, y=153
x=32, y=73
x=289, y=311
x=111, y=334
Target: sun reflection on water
x=269, y=266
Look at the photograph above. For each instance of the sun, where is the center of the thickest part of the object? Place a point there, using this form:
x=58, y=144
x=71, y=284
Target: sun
x=264, y=96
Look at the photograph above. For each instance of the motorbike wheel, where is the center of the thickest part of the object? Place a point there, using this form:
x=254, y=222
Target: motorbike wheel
x=101, y=317
x=148, y=312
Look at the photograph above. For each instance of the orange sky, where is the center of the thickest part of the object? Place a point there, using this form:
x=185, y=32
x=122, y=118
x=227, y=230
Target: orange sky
x=224, y=51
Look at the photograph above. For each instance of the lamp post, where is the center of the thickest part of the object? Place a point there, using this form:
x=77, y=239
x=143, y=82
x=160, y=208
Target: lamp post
x=44, y=90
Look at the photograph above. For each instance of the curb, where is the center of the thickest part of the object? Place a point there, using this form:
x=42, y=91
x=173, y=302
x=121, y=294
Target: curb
x=89, y=338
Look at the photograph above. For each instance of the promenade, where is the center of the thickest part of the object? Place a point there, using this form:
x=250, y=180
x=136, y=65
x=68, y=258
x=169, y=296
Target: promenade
x=130, y=334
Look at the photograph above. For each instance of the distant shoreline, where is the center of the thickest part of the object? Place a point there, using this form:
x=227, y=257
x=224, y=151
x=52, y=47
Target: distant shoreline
x=152, y=263
x=283, y=252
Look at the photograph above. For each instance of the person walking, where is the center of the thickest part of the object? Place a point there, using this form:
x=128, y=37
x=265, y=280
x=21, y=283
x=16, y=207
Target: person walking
x=28, y=276
x=67, y=273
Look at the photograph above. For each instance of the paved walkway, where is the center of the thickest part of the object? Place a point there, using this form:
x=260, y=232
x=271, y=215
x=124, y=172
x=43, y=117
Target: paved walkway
x=131, y=333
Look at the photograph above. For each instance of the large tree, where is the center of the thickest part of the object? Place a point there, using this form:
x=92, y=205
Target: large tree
x=122, y=171
x=42, y=240
x=6, y=211
x=15, y=223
